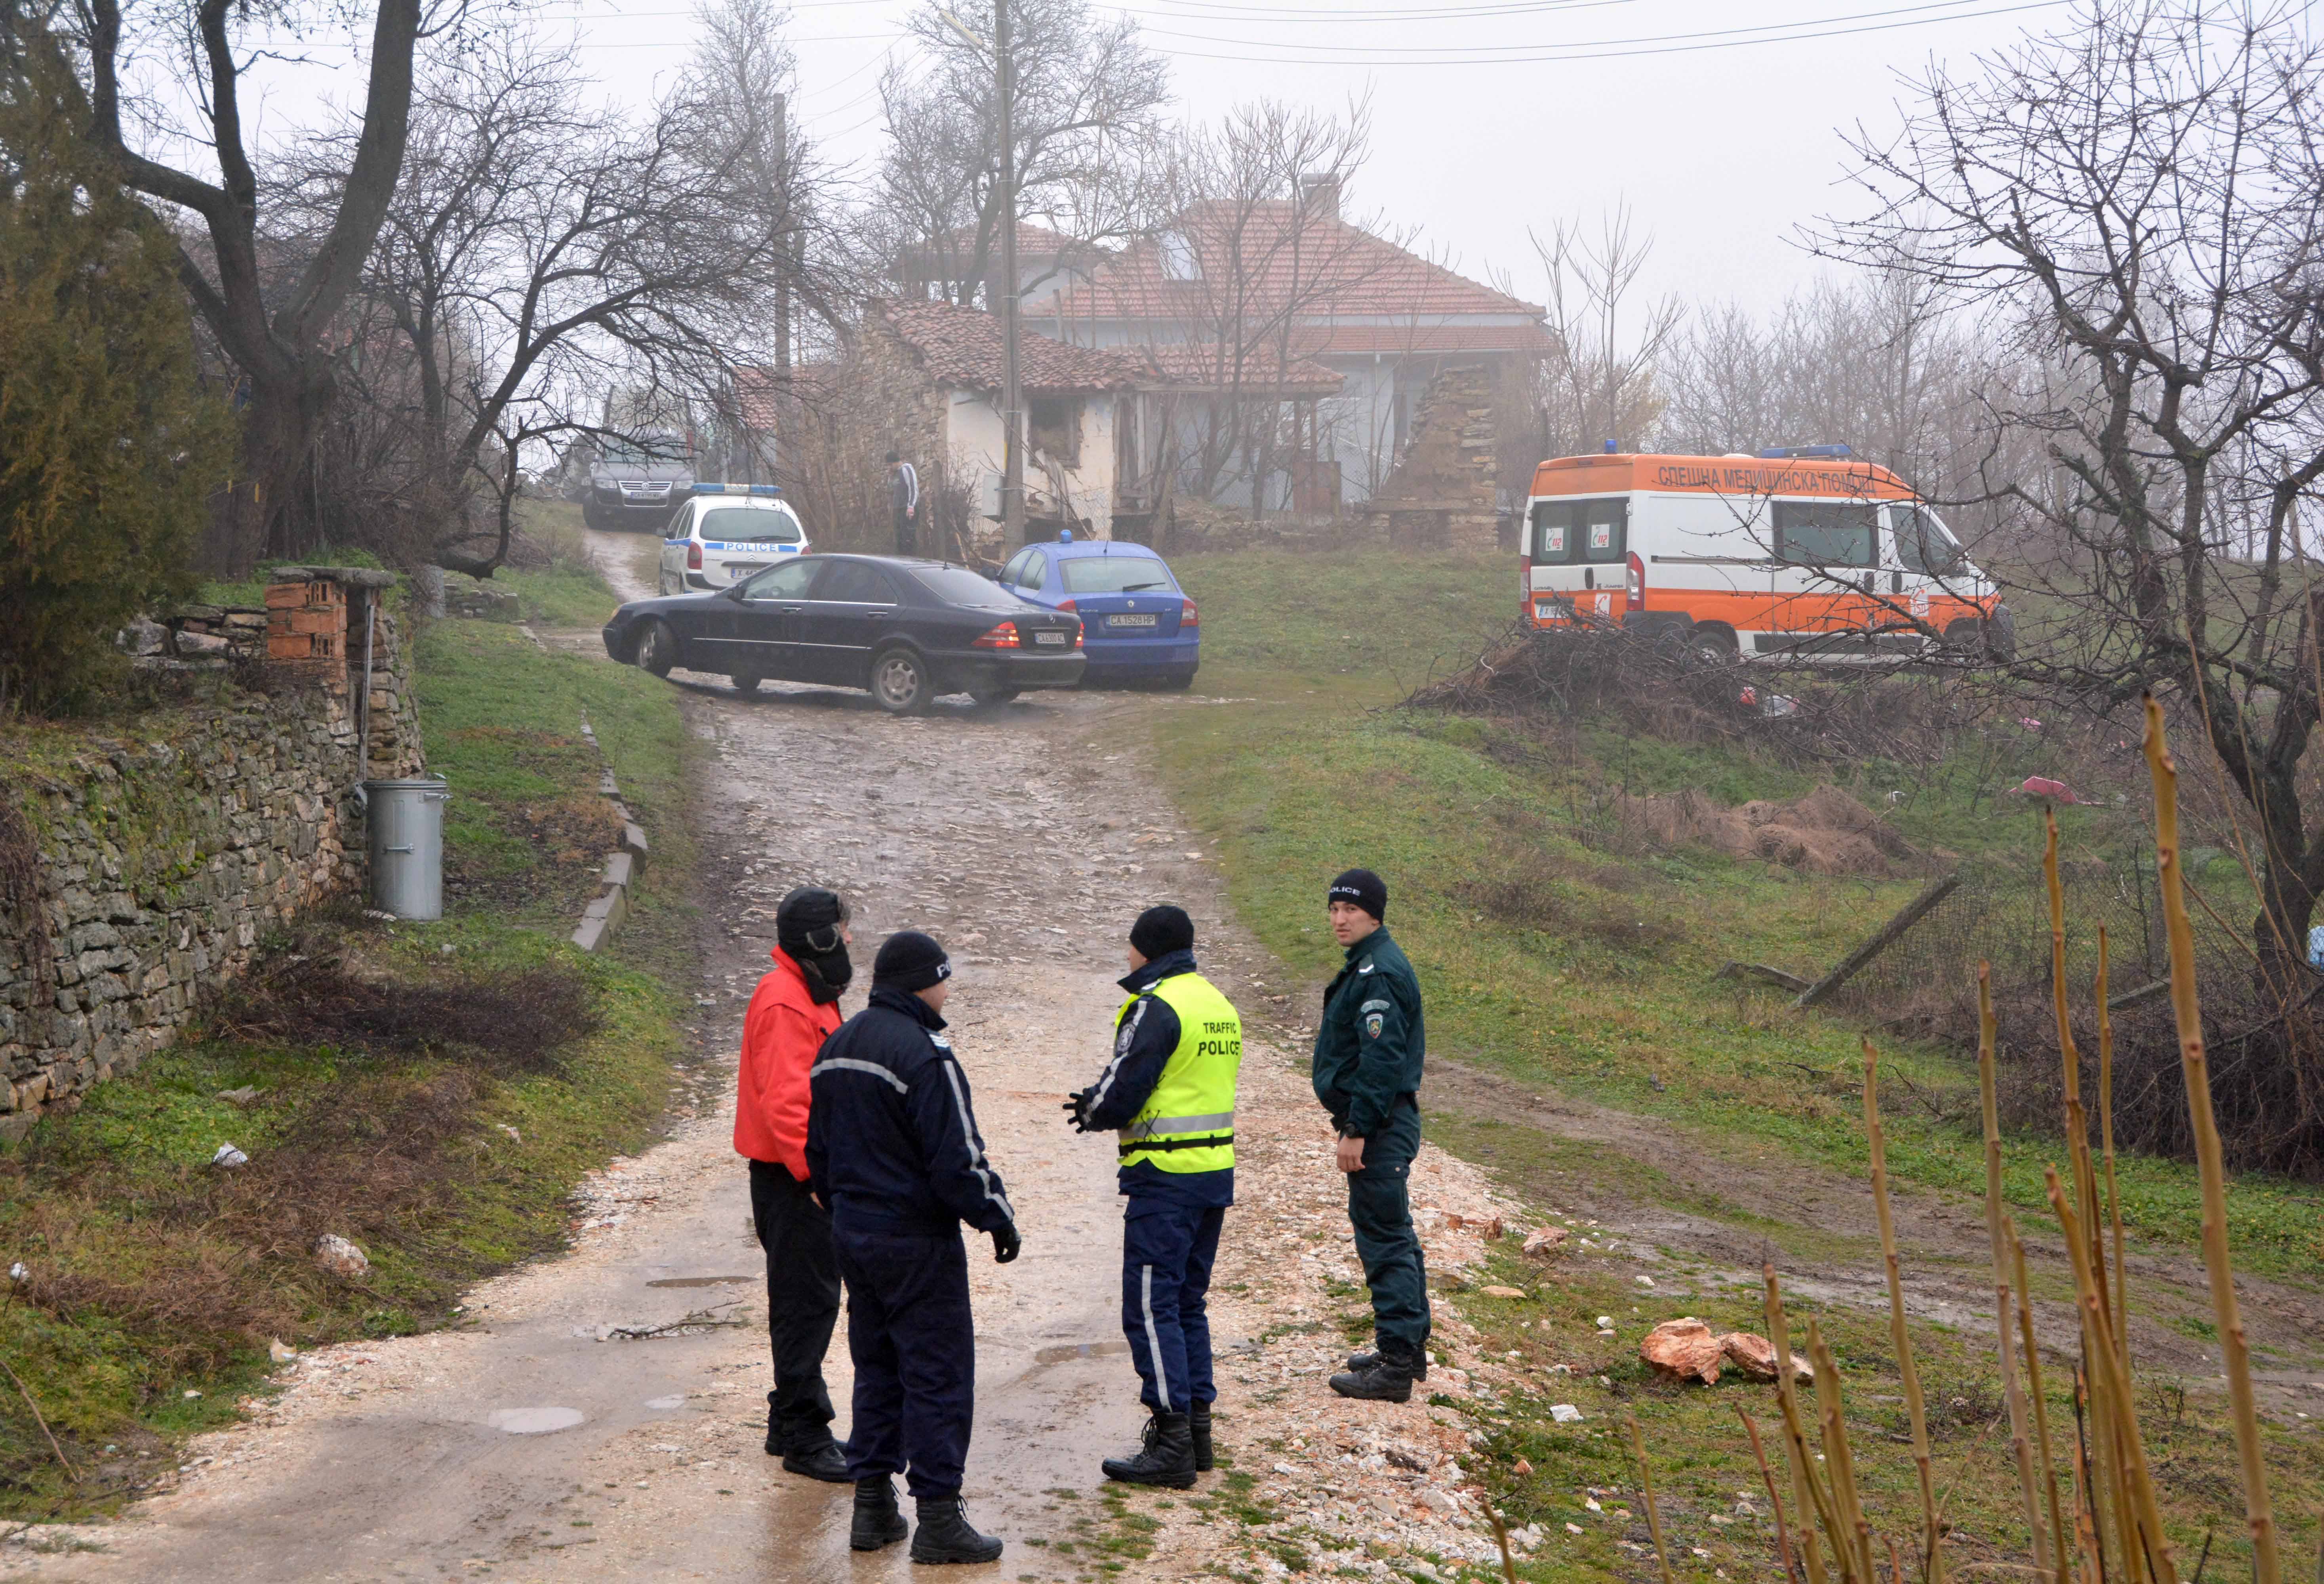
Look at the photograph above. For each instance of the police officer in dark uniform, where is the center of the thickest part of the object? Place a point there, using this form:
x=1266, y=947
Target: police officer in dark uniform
x=1169, y=1091
x=893, y=1149
x=1366, y=1072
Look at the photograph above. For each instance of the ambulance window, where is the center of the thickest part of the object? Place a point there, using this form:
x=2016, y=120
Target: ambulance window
x=1602, y=532
x=1924, y=544
x=1827, y=533
x=1553, y=531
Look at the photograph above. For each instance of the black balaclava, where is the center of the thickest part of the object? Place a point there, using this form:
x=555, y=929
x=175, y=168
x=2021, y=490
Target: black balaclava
x=807, y=925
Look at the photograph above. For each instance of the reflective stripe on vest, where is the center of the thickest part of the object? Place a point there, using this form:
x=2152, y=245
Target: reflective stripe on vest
x=1187, y=1123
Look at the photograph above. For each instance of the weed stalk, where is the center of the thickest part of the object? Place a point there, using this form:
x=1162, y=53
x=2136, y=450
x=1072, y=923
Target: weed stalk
x=2012, y=1392
x=1933, y=1563
x=1646, y=1487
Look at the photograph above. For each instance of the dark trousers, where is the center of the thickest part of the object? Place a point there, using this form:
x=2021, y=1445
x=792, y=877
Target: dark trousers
x=802, y=1305
x=1379, y=1209
x=907, y=533
x=1167, y=1254
x=914, y=1342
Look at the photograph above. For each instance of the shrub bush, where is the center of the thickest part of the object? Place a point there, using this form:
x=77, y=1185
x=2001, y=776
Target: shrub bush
x=110, y=447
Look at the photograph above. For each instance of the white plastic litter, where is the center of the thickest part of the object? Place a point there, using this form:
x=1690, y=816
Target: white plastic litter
x=228, y=1156
x=1565, y=1413
x=20, y=1272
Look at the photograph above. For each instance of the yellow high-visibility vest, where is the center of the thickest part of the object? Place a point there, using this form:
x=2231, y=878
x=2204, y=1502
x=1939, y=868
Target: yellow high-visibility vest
x=1187, y=1123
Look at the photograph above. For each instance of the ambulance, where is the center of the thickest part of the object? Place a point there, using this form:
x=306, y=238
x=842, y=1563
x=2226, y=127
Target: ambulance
x=1798, y=556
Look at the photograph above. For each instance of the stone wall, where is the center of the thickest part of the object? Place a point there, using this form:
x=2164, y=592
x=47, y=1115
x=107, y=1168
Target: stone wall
x=165, y=852
x=1444, y=492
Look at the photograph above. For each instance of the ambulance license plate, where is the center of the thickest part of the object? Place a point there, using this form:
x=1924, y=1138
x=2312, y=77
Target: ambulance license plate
x=1139, y=621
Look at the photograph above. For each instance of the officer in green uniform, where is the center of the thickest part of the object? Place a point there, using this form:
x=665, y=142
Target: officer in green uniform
x=1366, y=1072
x=1170, y=1092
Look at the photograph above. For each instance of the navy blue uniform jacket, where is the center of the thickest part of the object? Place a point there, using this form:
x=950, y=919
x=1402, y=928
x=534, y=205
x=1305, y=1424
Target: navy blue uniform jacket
x=891, y=1144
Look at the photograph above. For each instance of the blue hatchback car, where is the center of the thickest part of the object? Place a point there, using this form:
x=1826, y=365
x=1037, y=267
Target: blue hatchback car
x=1138, y=625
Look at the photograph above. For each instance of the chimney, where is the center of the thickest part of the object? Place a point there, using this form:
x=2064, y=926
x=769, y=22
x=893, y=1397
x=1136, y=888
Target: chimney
x=1319, y=194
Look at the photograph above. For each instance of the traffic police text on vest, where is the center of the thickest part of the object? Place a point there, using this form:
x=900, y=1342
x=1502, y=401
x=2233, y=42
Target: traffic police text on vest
x=1169, y=1092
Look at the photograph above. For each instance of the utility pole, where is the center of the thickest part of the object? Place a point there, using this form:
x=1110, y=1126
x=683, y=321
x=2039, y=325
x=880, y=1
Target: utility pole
x=1012, y=402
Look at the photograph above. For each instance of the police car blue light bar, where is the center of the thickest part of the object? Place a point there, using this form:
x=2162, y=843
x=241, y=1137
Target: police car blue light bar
x=717, y=489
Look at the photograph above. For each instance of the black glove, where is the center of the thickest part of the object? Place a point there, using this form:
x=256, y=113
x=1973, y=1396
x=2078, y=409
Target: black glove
x=1006, y=1243
x=1076, y=1109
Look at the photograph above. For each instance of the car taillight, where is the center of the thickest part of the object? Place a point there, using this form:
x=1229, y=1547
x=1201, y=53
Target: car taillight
x=1189, y=617
x=1001, y=637
x=1524, y=588
x=694, y=557
x=1634, y=585
x=1067, y=605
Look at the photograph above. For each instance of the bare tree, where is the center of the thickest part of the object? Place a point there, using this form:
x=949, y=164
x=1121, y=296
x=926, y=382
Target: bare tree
x=275, y=324
x=1089, y=113
x=2140, y=199
x=1598, y=382
x=540, y=249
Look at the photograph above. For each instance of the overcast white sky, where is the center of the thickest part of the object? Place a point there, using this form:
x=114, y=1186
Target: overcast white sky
x=1721, y=146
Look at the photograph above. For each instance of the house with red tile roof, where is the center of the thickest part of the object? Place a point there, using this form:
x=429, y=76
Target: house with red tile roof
x=1264, y=300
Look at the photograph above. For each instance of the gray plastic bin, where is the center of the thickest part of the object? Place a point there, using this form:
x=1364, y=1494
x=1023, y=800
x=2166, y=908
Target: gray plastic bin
x=407, y=847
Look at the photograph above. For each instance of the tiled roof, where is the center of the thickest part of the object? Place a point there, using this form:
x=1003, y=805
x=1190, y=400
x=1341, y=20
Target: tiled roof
x=962, y=347
x=758, y=393
x=1209, y=366
x=1277, y=255
x=1033, y=241
x=1422, y=340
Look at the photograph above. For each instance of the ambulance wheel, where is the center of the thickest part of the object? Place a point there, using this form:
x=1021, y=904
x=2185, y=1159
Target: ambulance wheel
x=900, y=683
x=657, y=649
x=1711, y=646
x=745, y=681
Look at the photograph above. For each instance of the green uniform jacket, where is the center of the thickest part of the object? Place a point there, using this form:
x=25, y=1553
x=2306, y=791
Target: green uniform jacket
x=1370, y=1045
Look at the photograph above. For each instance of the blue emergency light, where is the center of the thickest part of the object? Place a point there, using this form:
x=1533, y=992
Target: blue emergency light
x=1804, y=453
x=1064, y=535
x=703, y=488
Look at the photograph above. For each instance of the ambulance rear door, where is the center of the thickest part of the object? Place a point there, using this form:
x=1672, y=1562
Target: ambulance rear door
x=1578, y=545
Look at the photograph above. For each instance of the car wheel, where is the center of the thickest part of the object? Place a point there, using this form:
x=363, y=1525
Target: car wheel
x=900, y=683
x=745, y=681
x=1711, y=646
x=993, y=697
x=657, y=649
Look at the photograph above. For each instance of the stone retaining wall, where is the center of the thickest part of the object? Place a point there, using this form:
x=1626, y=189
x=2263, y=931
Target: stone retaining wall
x=166, y=853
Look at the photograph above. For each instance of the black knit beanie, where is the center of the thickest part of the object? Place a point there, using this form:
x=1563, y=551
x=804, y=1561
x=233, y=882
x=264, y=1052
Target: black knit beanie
x=1366, y=889
x=909, y=961
x=807, y=924
x=1160, y=931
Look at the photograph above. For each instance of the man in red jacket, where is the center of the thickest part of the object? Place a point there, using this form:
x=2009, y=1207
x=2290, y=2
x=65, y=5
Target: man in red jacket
x=795, y=1008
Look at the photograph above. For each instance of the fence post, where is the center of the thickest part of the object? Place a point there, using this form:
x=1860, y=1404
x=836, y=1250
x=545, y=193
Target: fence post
x=1887, y=936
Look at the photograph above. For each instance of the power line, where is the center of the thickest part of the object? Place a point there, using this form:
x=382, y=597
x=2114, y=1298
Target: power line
x=1952, y=7
x=1584, y=51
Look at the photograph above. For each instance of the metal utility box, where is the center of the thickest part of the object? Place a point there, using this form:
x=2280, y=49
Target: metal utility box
x=407, y=847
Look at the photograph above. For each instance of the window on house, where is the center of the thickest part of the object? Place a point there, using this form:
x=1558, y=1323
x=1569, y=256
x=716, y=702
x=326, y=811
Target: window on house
x=1055, y=427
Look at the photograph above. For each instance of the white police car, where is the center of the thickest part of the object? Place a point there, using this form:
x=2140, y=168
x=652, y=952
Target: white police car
x=725, y=533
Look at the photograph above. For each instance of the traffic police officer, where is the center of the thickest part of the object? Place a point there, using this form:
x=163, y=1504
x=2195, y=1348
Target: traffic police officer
x=1366, y=1072
x=1170, y=1093
x=893, y=1149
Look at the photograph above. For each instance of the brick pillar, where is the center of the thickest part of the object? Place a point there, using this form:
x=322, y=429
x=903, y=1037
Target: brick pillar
x=306, y=629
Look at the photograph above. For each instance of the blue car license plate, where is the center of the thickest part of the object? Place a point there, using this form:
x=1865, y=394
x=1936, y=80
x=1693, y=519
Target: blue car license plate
x=1137, y=621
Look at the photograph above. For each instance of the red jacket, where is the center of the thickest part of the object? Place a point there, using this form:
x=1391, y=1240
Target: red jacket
x=781, y=1033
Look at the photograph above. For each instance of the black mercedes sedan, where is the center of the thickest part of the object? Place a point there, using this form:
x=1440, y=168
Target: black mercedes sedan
x=906, y=630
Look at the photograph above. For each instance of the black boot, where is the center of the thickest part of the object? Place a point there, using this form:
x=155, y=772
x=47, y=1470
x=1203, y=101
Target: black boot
x=878, y=1520
x=1198, y=1429
x=1387, y=1378
x=825, y=1462
x=1359, y=1362
x=1168, y=1457
x=946, y=1535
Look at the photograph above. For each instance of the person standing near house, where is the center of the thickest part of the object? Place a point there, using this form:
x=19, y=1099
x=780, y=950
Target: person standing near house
x=904, y=485
x=794, y=1011
x=892, y=1147
x=1170, y=1092
x=1368, y=1049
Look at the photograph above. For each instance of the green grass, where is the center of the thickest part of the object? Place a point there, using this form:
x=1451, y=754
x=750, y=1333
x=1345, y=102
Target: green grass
x=1604, y=989
x=154, y=1275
